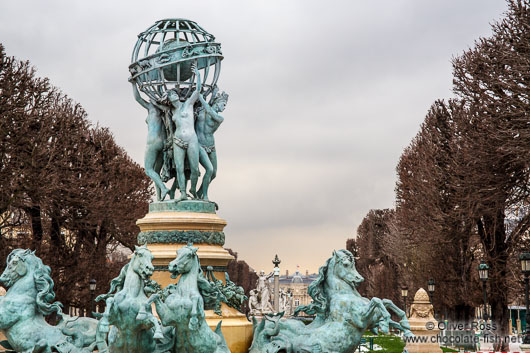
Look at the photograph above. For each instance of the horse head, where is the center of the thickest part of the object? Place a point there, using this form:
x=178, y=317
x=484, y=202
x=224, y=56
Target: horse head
x=25, y=264
x=343, y=264
x=17, y=267
x=142, y=262
x=186, y=259
x=338, y=272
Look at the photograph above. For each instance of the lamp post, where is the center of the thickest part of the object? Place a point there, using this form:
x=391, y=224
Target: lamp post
x=430, y=288
x=483, y=275
x=404, y=294
x=92, y=287
x=276, y=263
x=524, y=258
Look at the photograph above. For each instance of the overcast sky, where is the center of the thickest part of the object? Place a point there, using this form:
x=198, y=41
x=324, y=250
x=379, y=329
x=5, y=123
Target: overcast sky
x=324, y=96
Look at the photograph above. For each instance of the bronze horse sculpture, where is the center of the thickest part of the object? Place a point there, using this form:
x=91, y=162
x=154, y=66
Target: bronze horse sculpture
x=28, y=300
x=342, y=315
x=128, y=318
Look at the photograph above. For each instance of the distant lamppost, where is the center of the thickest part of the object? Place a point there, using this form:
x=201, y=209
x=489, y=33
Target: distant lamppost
x=404, y=294
x=524, y=258
x=276, y=263
x=430, y=288
x=92, y=286
x=483, y=275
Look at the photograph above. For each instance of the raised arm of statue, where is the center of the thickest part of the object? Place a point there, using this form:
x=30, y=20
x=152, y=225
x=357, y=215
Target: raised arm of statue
x=162, y=107
x=138, y=97
x=215, y=116
x=197, y=93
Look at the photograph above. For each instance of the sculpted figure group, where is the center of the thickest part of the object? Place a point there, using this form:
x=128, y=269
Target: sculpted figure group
x=180, y=136
x=342, y=315
x=128, y=324
x=260, y=298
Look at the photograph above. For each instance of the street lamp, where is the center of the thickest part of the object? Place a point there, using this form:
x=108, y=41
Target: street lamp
x=92, y=285
x=524, y=258
x=430, y=287
x=404, y=294
x=483, y=275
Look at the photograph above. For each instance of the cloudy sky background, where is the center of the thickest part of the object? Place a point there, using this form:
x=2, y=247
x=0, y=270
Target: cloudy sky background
x=324, y=96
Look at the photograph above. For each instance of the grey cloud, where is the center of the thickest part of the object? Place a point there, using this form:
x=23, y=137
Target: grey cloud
x=324, y=95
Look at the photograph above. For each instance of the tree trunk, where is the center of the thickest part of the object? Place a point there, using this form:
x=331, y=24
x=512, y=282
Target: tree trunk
x=493, y=234
x=34, y=213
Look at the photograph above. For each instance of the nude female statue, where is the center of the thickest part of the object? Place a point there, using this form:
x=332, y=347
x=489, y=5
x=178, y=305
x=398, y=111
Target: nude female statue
x=208, y=121
x=185, y=143
x=154, y=148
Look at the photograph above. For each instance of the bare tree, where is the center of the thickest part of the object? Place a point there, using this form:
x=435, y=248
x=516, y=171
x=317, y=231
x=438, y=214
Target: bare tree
x=68, y=190
x=464, y=180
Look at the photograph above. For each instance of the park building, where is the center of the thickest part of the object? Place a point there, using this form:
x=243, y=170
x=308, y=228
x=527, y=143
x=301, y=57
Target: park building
x=297, y=284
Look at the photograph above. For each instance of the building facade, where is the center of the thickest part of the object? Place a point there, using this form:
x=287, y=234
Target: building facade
x=295, y=286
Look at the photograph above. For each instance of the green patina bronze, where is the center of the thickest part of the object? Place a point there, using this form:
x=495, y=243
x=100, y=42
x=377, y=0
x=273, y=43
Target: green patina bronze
x=217, y=293
x=175, y=66
x=342, y=315
x=203, y=268
x=128, y=318
x=198, y=206
x=181, y=306
x=229, y=293
x=29, y=299
x=181, y=236
x=208, y=121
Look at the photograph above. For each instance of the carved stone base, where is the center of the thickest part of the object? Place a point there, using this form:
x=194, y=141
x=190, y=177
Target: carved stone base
x=430, y=346
x=170, y=225
x=423, y=325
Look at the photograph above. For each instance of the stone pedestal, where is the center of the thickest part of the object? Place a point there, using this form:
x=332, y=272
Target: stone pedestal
x=421, y=317
x=170, y=225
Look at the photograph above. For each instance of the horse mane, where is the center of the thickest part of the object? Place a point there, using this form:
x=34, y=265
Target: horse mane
x=316, y=290
x=320, y=304
x=116, y=284
x=205, y=288
x=43, y=283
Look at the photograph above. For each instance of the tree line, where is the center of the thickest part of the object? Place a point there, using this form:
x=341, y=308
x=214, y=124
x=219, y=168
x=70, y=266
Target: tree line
x=68, y=191
x=463, y=189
